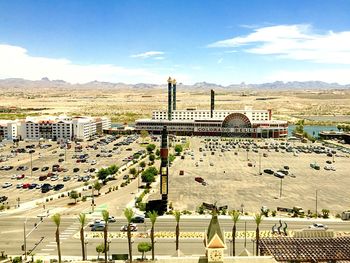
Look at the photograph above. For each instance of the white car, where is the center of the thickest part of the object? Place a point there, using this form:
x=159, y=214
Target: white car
x=133, y=227
x=318, y=226
x=7, y=184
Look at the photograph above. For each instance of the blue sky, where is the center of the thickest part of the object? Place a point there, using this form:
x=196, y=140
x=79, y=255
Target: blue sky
x=223, y=42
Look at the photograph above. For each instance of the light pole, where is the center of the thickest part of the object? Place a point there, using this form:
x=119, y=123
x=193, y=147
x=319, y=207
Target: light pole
x=25, y=240
x=316, y=202
x=92, y=199
x=281, y=188
x=259, y=163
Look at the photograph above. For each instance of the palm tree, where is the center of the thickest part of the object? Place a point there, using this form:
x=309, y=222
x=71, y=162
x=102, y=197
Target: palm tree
x=258, y=219
x=153, y=217
x=105, y=216
x=177, y=215
x=129, y=214
x=56, y=218
x=235, y=217
x=82, y=221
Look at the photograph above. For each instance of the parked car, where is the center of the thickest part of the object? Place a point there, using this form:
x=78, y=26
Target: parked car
x=42, y=178
x=133, y=227
x=6, y=185
x=268, y=171
x=58, y=187
x=66, y=178
x=45, y=168
x=199, y=179
x=3, y=198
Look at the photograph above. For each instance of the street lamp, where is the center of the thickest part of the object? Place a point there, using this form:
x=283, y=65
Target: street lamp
x=281, y=188
x=316, y=201
x=92, y=199
x=31, y=162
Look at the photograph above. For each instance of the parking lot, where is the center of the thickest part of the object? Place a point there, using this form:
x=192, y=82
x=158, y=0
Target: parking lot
x=63, y=169
x=228, y=174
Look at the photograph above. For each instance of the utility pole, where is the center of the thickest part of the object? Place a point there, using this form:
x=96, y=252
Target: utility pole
x=92, y=199
x=281, y=188
x=25, y=240
x=316, y=202
x=31, y=164
x=259, y=163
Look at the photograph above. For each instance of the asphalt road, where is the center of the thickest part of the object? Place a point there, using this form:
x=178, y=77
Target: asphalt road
x=12, y=232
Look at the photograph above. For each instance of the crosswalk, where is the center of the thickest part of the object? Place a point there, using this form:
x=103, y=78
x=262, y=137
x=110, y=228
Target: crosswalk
x=67, y=233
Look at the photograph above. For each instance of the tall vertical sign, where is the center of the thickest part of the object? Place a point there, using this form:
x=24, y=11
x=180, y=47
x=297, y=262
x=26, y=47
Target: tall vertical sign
x=164, y=170
x=169, y=99
x=174, y=94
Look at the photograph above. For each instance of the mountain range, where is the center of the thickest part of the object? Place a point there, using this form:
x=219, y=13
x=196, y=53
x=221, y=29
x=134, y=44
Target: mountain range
x=19, y=83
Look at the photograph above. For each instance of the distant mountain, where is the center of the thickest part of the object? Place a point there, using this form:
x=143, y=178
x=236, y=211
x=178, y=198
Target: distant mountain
x=14, y=83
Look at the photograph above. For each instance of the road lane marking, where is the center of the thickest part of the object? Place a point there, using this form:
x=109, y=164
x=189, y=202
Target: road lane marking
x=47, y=249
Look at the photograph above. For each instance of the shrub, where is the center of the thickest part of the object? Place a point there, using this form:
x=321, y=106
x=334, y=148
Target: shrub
x=17, y=259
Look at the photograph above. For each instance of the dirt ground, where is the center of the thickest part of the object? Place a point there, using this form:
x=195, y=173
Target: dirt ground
x=128, y=105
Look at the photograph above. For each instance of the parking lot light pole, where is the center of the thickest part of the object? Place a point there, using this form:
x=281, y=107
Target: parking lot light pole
x=316, y=201
x=259, y=163
x=281, y=188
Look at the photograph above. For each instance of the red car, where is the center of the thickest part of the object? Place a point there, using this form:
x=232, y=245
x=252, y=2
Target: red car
x=20, y=176
x=26, y=186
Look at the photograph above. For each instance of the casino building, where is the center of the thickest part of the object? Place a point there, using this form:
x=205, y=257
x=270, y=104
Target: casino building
x=226, y=123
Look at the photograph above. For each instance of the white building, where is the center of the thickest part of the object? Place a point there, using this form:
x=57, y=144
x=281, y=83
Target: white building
x=59, y=128
x=8, y=130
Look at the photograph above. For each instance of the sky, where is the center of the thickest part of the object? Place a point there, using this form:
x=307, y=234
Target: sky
x=145, y=41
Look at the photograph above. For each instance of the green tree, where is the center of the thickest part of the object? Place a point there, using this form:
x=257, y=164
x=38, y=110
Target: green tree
x=150, y=148
x=129, y=214
x=133, y=171
x=112, y=169
x=153, y=217
x=151, y=158
x=144, y=247
x=178, y=149
x=149, y=174
x=235, y=217
x=144, y=134
x=258, y=219
x=97, y=186
x=105, y=217
x=99, y=249
x=102, y=173
x=56, y=218
x=142, y=165
x=177, y=215
x=74, y=195
x=82, y=221
x=158, y=152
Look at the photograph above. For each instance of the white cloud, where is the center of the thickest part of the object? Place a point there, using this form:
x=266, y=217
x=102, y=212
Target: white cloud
x=220, y=60
x=296, y=42
x=149, y=54
x=15, y=62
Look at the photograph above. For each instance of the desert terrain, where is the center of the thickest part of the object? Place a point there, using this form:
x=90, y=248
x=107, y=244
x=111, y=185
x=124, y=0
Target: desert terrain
x=125, y=104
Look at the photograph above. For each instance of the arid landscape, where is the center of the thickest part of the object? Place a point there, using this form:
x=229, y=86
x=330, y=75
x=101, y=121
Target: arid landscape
x=126, y=103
